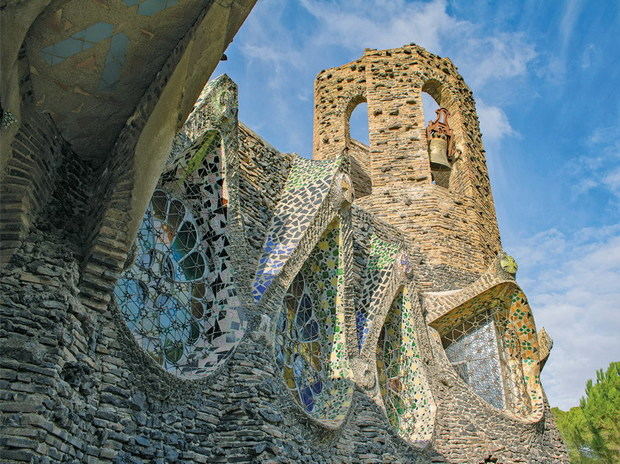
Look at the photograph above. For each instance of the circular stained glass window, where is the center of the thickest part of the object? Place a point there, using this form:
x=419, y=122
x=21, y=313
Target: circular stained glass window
x=177, y=298
x=310, y=342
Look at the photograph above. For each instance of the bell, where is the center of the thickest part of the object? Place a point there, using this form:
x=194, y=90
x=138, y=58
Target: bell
x=438, y=153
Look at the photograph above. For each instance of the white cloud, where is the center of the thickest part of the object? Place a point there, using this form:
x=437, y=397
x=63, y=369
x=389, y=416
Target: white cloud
x=569, y=19
x=612, y=181
x=500, y=57
x=285, y=58
x=573, y=284
x=382, y=23
x=388, y=24
x=554, y=67
x=600, y=167
x=589, y=56
x=493, y=122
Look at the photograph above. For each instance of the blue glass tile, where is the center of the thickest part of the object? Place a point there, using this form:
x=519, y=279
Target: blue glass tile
x=151, y=7
x=78, y=42
x=114, y=62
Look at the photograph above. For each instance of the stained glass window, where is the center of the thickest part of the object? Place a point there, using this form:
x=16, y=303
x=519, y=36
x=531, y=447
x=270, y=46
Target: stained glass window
x=472, y=348
x=310, y=344
x=491, y=342
x=402, y=382
x=178, y=297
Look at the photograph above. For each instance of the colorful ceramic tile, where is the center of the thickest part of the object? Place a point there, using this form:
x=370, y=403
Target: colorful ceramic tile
x=310, y=339
x=491, y=341
x=306, y=188
x=402, y=381
x=178, y=297
x=381, y=258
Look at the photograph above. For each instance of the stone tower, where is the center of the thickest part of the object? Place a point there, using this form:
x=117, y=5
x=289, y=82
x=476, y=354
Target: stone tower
x=449, y=213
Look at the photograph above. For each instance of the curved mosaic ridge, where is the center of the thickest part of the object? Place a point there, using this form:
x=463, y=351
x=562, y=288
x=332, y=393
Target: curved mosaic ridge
x=310, y=339
x=381, y=258
x=307, y=187
x=178, y=298
x=521, y=345
x=491, y=342
x=402, y=382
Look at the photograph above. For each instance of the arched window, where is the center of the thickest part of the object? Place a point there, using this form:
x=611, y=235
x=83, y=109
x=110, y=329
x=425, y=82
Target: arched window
x=357, y=144
x=472, y=347
x=310, y=343
x=429, y=106
x=404, y=389
x=439, y=137
x=491, y=342
x=178, y=297
x=358, y=124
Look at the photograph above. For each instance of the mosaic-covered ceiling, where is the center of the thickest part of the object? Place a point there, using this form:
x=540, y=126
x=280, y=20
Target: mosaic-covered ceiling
x=91, y=62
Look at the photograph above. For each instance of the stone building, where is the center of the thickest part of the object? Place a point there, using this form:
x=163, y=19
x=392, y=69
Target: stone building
x=174, y=289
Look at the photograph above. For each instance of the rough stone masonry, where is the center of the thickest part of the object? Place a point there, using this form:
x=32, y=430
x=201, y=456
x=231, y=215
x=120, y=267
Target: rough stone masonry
x=174, y=289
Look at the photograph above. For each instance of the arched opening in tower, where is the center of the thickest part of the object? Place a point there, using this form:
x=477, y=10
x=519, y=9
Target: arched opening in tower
x=429, y=106
x=358, y=124
x=439, y=142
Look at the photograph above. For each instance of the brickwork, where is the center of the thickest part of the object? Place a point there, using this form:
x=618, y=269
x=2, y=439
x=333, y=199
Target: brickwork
x=454, y=226
x=36, y=153
x=341, y=357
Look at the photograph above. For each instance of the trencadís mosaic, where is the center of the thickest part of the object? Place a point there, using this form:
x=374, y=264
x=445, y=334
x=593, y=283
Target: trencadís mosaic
x=178, y=297
x=310, y=340
x=492, y=344
x=402, y=381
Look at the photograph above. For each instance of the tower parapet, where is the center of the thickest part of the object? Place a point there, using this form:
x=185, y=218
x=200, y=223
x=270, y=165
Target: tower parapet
x=449, y=211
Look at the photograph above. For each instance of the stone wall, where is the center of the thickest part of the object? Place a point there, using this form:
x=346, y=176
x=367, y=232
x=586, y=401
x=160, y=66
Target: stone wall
x=77, y=384
x=263, y=172
x=36, y=154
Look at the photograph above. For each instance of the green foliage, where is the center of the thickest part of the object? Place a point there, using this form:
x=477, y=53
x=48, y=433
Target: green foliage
x=592, y=429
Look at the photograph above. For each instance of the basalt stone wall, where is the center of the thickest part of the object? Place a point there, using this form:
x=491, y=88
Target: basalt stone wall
x=263, y=172
x=76, y=387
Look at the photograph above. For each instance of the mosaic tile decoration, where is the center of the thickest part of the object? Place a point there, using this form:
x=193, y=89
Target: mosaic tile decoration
x=150, y=7
x=402, y=382
x=306, y=188
x=78, y=42
x=178, y=298
x=504, y=312
x=310, y=340
x=522, y=353
x=87, y=38
x=381, y=257
x=473, y=351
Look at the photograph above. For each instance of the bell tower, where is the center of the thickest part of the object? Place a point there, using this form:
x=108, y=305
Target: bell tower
x=429, y=180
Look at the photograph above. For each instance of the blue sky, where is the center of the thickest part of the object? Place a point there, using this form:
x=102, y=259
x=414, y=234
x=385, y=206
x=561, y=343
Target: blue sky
x=545, y=75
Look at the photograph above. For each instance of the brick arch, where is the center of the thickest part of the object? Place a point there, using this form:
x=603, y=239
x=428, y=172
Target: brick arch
x=444, y=90
x=128, y=181
x=469, y=177
x=32, y=147
x=353, y=103
x=337, y=91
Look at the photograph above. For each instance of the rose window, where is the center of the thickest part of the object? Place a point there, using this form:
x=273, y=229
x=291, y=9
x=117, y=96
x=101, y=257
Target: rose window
x=174, y=298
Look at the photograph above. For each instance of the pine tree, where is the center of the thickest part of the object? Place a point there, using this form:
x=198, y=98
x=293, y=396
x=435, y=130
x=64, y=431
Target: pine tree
x=592, y=429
